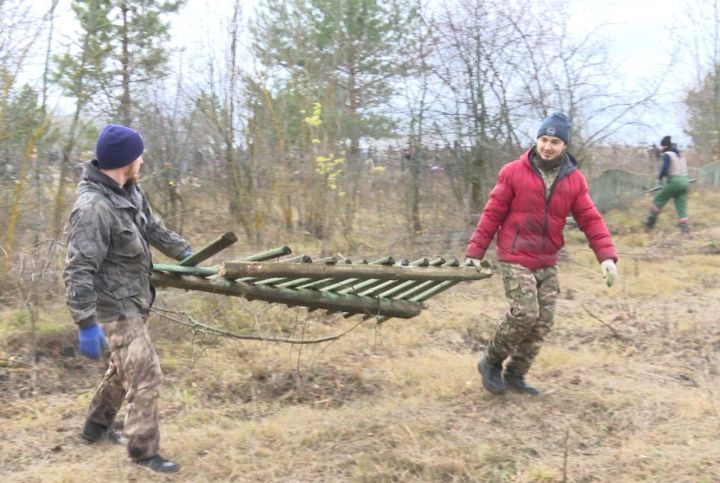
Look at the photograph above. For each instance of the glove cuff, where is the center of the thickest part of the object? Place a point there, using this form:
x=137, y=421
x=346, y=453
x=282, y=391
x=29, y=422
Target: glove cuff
x=88, y=322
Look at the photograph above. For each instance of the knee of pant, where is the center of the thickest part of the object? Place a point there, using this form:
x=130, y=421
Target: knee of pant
x=541, y=330
x=531, y=314
x=151, y=390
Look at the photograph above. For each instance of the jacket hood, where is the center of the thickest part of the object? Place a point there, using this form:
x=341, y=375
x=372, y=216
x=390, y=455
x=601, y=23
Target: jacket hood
x=95, y=180
x=92, y=172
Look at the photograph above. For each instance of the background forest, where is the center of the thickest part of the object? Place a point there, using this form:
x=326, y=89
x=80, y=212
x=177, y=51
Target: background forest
x=314, y=120
x=361, y=128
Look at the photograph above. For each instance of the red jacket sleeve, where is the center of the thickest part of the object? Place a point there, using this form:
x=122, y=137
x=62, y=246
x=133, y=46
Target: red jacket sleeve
x=493, y=215
x=591, y=223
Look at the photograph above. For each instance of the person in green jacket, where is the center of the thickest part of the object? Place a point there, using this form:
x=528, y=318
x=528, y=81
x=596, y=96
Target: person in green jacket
x=674, y=173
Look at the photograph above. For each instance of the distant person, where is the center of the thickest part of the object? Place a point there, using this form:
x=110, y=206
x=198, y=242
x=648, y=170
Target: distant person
x=107, y=275
x=674, y=178
x=654, y=153
x=527, y=209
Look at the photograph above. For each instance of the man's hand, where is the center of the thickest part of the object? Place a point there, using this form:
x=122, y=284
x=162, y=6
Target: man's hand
x=92, y=341
x=609, y=271
x=475, y=262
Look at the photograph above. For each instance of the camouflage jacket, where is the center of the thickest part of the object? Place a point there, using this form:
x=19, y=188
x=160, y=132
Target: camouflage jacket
x=108, y=264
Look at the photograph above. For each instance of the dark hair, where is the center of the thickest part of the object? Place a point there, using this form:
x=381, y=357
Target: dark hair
x=666, y=141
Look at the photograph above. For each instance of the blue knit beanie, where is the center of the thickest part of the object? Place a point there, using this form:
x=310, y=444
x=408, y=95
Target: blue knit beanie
x=118, y=146
x=556, y=124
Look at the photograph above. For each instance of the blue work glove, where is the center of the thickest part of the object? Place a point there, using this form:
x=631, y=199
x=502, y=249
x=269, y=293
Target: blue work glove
x=186, y=253
x=92, y=341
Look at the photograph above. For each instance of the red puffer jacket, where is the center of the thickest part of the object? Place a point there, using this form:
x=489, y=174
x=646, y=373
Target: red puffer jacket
x=529, y=227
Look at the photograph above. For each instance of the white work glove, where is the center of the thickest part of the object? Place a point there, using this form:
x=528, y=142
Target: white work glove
x=609, y=271
x=474, y=261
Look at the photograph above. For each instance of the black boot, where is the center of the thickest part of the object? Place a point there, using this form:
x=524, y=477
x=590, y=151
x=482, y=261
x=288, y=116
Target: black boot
x=159, y=464
x=95, y=432
x=518, y=384
x=650, y=222
x=491, y=373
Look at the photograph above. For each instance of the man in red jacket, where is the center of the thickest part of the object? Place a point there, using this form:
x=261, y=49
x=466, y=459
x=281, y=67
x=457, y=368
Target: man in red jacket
x=527, y=210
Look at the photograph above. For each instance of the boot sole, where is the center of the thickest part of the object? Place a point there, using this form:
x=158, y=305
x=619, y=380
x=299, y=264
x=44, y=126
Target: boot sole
x=532, y=392
x=106, y=437
x=148, y=467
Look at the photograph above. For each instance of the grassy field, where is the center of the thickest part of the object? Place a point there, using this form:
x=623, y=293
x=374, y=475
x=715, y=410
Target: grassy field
x=629, y=378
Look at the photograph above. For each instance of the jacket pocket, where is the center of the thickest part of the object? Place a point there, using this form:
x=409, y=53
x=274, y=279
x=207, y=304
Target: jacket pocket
x=126, y=244
x=118, y=284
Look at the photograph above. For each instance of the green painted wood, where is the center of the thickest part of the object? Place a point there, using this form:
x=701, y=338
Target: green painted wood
x=177, y=269
x=312, y=299
x=212, y=248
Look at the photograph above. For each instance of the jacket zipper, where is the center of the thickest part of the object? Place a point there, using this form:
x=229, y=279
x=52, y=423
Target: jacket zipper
x=547, y=206
x=548, y=197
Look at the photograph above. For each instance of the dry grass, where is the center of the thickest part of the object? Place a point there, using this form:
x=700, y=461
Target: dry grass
x=630, y=379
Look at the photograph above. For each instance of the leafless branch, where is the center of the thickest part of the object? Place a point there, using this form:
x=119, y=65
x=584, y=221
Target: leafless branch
x=196, y=326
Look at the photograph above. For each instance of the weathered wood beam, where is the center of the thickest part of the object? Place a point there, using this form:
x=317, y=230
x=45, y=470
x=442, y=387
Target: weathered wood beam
x=234, y=270
x=268, y=254
x=209, y=250
x=307, y=298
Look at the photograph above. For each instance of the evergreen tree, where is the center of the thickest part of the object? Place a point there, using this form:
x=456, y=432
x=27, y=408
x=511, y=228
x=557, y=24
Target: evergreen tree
x=343, y=54
x=130, y=34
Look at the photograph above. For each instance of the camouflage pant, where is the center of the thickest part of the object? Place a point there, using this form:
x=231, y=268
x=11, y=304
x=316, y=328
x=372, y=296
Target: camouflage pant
x=133, y=375
x=531, y=295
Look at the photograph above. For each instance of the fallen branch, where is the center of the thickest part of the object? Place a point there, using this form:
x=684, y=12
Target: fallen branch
x=196, y=326
x=565, y=455
x=615, y=333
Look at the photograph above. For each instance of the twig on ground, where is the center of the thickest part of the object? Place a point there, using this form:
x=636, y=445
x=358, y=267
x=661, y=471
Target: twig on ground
x=565, y=455
x=627, y=254
x=615, y=333
x=709, y=376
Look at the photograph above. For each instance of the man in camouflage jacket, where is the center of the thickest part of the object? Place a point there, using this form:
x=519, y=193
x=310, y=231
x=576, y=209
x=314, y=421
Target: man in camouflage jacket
x=107, y=276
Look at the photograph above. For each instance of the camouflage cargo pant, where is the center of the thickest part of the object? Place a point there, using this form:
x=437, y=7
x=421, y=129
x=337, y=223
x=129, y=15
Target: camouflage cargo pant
x=531, y=295
x=133, y=375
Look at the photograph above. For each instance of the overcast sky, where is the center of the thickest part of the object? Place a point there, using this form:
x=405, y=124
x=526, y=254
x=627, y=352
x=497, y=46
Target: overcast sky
x=639, y=32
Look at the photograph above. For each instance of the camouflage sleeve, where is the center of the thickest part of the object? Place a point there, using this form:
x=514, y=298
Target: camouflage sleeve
x=88, y=243
x=167, y=241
